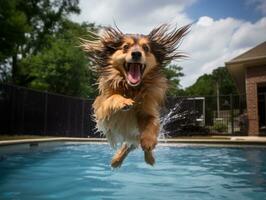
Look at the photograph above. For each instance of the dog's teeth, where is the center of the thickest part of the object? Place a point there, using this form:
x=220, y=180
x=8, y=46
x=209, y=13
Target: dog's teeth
x=126, y=66
x=142, y=67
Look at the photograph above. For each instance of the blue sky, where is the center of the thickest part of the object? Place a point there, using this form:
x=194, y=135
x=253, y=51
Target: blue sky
x=239, y=9
x=221, y=30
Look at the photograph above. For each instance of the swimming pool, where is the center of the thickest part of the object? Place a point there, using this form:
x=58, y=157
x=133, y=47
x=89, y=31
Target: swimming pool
x=82, y=171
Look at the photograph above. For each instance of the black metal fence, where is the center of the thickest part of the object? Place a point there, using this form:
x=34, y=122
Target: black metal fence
x=31, y=112
x=225, y=115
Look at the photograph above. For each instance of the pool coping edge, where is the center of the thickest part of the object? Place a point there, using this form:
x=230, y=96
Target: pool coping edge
x=231, y=140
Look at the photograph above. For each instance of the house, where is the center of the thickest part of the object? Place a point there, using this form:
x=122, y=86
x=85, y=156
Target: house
x=249, y=73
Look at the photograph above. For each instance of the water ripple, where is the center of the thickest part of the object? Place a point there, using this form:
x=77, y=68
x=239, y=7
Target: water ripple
x=82, y=171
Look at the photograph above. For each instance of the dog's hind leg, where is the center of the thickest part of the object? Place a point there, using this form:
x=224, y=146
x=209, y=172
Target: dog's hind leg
x=149, y=128
x=120, y=155
x=149, y=158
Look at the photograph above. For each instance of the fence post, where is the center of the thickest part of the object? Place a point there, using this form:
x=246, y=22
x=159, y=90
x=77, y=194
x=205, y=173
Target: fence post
x=240, y=104
x=82, y=117
x=12, y=127
x=218, y=99
x=232, y=113
x=23, y=108
x=45, y=113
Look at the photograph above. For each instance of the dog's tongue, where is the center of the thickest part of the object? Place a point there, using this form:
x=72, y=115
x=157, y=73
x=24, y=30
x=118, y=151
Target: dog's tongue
x=134, y=73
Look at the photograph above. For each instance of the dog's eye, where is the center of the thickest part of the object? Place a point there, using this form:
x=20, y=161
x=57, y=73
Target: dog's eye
x=126, y=47
x=145, y=47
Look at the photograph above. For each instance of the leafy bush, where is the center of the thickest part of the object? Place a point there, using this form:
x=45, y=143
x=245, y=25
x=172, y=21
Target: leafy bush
x=220, y=127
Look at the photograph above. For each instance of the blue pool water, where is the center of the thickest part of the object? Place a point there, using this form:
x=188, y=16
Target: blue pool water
x=82, y=171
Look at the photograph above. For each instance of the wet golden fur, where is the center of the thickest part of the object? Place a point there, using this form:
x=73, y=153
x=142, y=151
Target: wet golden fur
x=130, y=115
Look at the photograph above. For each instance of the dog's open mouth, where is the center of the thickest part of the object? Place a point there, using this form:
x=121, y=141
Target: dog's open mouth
x=134, y=72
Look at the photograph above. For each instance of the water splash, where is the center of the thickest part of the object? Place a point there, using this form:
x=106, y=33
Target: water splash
x=180, y=118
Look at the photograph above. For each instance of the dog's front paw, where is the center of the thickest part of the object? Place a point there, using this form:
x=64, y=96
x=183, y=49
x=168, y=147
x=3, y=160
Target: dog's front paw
x=148, y=142
x=127, y=108
x=127, y=104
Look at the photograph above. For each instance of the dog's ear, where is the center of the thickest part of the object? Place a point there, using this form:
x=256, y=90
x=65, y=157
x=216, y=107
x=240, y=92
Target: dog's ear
x=93, y=47
x=164, y=42
x=102, y=46
x=111, y=38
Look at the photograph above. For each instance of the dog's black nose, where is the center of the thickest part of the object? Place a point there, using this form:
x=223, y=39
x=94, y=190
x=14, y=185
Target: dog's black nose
x=136, y=55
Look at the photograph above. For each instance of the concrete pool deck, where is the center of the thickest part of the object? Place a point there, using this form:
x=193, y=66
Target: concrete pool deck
x=215, y=140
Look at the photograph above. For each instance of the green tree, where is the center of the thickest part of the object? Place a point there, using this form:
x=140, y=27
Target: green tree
x=202, y=86
x=25, y=28
x=173, y=73
x=207, y=84
x=14, y=25
x=62, y=66
x=224, y=80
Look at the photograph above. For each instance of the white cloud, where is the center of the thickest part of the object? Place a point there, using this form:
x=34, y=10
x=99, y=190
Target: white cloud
x=134, y=16
x=205, y=21
x=249, y=33
x=209, y=44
